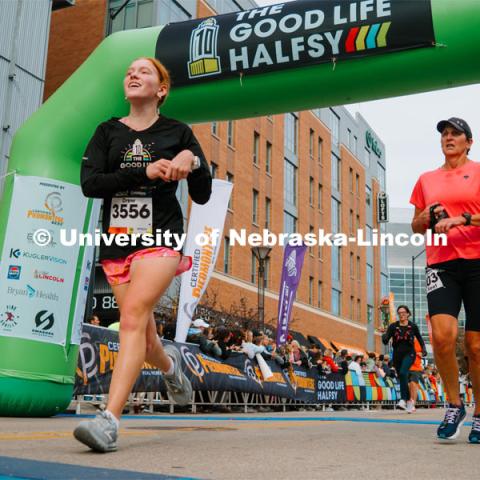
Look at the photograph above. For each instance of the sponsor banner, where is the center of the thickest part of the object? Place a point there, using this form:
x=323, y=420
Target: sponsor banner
x=291, y=272
x=86, y=271
x=205, y=224
x=331, y=388
x=99, y=350
x=291, y=35
x=36, y=281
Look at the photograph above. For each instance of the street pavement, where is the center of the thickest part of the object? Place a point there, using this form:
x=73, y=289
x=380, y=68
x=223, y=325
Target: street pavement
x=360, y=445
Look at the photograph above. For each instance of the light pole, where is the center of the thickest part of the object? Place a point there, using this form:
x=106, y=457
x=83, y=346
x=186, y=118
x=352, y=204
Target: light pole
x=414, y=257
x=261, y=254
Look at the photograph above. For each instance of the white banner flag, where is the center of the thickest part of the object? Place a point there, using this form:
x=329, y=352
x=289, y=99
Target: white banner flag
x=205, y=229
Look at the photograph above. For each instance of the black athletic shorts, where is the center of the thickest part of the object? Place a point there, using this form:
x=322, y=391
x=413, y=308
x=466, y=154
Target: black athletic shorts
x=414, y=376
x=450, y=283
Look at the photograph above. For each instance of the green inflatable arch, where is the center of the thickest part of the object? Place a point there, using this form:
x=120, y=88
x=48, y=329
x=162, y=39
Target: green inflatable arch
x=254, y=63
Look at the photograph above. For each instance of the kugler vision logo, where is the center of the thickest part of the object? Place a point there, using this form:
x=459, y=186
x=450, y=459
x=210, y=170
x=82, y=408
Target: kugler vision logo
x=9, y=318
x=204, y=60
x=44, y=321
x=53, y=204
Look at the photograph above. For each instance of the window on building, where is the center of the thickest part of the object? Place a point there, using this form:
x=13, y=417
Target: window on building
x=319, y=294
x=336, y=263
x=319, y=150
x=254, y=206
x=319, y=199
x=369, y=274
x=352, y=307
x=357, y=184
x=268, y=158
x=368, y=195
x=335, y=215
x=291, y=133
x=366, y=157
x=215, y=128
x=266, y=281
x=335, y=127
x=369, y=314
x=231, y=133
x=359, y=273
x=359, y=310
x=350, y=179
x=310, y=192
x=290, y=183
x=336, y=301
x=230, y=179
x=310, y=143
x=352, y=265
x=310, y=249
x=137, y=14
x=382, y=176
x=170, y=11
x=355, y=143
x=214, y=169
x=336, y=181
x=357, y=223
x=349, y=139
x=289, y=223
x=253, y=269
x=310, y=290
x=384, y=285
x=350, y=221
x=256, y=147
x=226, y=256
x=268, y=212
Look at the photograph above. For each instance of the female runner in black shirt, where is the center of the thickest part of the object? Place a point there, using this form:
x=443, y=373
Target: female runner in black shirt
x=403, y=334
x=134, y=164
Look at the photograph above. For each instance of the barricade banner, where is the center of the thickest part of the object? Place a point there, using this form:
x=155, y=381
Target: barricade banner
x=238, y=373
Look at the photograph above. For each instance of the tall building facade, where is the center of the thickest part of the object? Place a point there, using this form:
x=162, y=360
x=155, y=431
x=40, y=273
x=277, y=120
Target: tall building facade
x=295, y=172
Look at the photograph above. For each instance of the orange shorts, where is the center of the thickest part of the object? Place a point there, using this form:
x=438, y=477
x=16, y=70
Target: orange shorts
x=117, y=271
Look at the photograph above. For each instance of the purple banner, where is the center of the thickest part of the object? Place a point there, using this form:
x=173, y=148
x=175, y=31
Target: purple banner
x=291, y=272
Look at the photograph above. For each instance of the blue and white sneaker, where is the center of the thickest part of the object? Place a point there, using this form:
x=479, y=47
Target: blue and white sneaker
x=449, y=429
x=474, y=436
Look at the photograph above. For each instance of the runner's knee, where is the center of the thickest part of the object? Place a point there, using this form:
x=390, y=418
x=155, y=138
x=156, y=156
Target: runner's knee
x=472, y=349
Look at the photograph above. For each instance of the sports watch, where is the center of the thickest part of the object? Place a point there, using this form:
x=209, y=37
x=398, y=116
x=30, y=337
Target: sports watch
x=468, y=217
x=196, y=163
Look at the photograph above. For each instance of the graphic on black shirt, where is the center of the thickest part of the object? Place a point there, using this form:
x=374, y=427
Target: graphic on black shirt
x=136, y=155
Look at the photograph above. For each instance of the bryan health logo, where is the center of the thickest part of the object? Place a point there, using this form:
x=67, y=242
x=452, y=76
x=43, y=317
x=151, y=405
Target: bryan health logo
x=8, y=318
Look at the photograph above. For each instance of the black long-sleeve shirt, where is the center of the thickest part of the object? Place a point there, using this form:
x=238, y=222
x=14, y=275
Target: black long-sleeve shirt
x=115, y=163
x=403, y=336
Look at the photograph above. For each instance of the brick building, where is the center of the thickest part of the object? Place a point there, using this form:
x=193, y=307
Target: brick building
x=295, y=172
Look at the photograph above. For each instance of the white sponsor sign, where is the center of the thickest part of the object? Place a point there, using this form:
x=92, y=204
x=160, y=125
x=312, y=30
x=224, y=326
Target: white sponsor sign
x=36, y=280
x=85, y=279
x=206, y=221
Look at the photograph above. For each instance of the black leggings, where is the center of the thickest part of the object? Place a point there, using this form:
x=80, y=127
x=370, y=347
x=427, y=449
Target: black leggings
x=402, y=361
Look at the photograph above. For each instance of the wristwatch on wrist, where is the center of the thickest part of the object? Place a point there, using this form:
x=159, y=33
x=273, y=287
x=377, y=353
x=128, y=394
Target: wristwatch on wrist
x=468, y=217
x=195, y=163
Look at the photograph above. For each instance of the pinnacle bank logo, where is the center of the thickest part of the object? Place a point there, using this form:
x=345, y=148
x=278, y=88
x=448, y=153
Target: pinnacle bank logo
x=31, y=292
x=44, y=322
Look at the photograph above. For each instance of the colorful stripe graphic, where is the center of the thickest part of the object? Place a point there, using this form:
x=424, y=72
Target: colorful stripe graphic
x=367, y=37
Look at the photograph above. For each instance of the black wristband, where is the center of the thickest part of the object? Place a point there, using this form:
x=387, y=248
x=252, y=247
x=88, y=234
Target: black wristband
x=468, y=217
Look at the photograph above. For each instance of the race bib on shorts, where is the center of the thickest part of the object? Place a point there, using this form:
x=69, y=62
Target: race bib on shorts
x=131, y=215
x=433, y=280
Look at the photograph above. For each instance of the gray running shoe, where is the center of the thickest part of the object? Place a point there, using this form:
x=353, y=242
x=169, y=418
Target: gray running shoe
x=100, y=434
x=179, y=388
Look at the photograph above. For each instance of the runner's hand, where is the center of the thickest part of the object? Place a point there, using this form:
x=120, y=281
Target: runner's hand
x=443, y=226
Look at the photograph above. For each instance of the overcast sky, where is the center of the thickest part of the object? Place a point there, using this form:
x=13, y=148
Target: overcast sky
x=407, y=126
